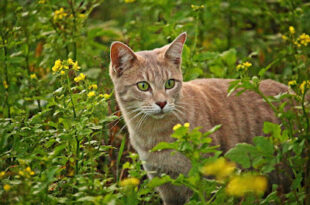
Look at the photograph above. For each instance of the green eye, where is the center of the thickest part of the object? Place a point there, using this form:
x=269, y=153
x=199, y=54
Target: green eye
x=170, y=84
x=144, y=86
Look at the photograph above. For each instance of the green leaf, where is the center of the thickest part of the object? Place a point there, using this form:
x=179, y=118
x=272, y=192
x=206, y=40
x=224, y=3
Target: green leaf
x=164, y=145
x=212, y=130
x=229, y=57
x=205, y=56
x=264, y=145
x=273, y=129
x=243, y=154
x=157, y=181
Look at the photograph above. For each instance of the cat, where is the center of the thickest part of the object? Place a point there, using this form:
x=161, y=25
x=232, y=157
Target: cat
x=152, y=96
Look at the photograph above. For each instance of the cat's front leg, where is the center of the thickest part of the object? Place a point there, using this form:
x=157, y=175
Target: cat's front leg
x=174, y=195
x=169, y=193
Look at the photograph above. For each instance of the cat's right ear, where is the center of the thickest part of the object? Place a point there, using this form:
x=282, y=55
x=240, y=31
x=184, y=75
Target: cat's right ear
x=121, y=57
x=174, y=51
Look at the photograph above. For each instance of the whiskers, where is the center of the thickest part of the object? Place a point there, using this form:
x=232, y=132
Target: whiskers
x=178, y=110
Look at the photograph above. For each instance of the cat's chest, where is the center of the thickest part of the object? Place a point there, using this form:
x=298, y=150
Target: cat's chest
x=145, y=139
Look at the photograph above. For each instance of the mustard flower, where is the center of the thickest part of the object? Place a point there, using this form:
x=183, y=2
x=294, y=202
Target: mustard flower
x=28, y=169
x=244, y=66
x=2, y=173
x=6, y=187
x=62, y=72
x=220, y=168
x=129, y=1
x=70, y=61
x=177, y=126
x=291, y=29
x=240, y=185
x=196, y=8
x=57, y=66
x=130, y=182
x=284, y=37
x=91, y=94
x=107, y=96
x=304, y=39
x=76, y=66
x=33, y=76
x=59, y=14
x=21, y=173
x=5, y=84
x=79, y=78
x=93, y=86
x=304, y=85
x=292, y=83
x=82, y=16
x=186, y=125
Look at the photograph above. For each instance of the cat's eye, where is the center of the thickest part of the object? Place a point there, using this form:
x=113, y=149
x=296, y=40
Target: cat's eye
x=170, y=84
x=144, y=86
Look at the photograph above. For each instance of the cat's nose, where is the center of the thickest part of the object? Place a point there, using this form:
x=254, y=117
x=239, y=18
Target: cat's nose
x=161, y=104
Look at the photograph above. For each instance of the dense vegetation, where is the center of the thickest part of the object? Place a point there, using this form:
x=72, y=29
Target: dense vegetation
x=62, y=138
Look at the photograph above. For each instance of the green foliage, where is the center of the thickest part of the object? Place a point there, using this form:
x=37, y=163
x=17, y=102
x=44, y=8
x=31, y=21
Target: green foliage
x=61, y=136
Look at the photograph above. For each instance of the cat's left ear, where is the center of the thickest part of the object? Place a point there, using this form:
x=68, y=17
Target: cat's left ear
x=174, y=51
x=122, y=57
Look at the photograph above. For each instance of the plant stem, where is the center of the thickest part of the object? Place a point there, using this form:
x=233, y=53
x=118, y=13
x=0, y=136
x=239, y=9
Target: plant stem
x=267, y=100
x=71, y=2
x=307, y=151
x=77, y=149
x=3, y=36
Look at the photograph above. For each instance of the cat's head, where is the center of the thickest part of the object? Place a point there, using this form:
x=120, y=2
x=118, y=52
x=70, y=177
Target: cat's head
x=148, y=82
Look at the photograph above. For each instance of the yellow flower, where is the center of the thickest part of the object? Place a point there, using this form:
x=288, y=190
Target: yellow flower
x=33, y=76
x=6, y=187
x=28, y=169
x=304, y=39
x=291, y=29
x=186, y=125
x=304, y=85
x=2, y=173
x=129, y=1
x=32, y=173
x=66, y=67
x=93, y=86
x=292, y=83
x=79, y=78
x=244, y=66
x=59, y=14
x=57, y=66
x=76, y=66
x=91, y=94
x=5, y=84
x=130, y=182
x=62, y=72
x=240, y=185
x=70, y=61
x=82, y=16
x=195, y=7
x=177, y=126
x=106, y=96
x=21, y=173
x=41, y=2
x=284, y=37
x=220, y=168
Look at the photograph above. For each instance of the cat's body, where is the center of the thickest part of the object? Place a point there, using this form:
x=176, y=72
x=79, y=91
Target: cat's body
x=150, y=114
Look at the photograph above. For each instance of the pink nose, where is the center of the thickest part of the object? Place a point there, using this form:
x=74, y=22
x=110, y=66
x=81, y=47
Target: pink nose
x=161, y=104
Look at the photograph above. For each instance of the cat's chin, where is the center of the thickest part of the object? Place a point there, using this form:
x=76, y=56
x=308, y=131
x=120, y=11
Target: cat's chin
x=158, y=116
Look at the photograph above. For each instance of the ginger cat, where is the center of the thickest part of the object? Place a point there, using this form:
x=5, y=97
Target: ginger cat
x=152, y=96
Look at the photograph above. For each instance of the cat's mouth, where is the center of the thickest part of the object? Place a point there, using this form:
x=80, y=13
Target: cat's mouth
x=159, y=115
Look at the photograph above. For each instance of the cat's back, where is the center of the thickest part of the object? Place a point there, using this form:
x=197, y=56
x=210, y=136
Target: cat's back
x=242, y=116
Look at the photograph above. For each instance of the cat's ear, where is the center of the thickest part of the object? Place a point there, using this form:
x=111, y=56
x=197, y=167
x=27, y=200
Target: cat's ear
x=174, y=51
x=121, y=56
